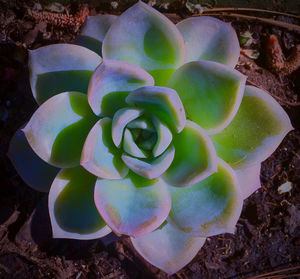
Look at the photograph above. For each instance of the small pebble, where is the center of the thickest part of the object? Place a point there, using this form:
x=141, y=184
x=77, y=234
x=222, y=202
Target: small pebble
x=285, y=188
x=114, y=4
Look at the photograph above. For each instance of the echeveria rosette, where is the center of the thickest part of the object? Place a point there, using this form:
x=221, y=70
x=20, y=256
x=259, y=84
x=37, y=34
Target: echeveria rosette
x=160, y=139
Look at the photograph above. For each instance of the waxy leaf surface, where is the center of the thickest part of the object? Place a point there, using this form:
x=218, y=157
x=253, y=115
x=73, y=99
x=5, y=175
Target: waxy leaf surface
x=99, y=155
x=168, y=248
x=210, y=92
x=150, y=168
x=59, y=68
x=144, y=37
x=130, y=147
x=164, y=137
x=73, y=213
x=208, y=38
x=121, y=118
x=248, y=179
x=211, y=206
x=93, y=31
x=134, y=205
x=255, y=132
x=58, y=128
x=110, y=84
x=195, y=156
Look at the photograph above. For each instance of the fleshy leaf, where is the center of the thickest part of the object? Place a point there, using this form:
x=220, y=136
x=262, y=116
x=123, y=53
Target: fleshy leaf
x=93, y=31
x=211, y=93
x=144, y=37
x=58, y=128
x=59, y=68
x=255, y=132
x=72, y=210
x=248, y=179
x=110, y=84
x=208, y=38
x=168, y=248
x=141, y=123
x=163, y=102
x=195, y=157
x=164, y=137
x=32, y=169
x=121, y=118
x=216, y=200
x=130, y=146
x=134, y=205
x=150, y=168
x=99, y=155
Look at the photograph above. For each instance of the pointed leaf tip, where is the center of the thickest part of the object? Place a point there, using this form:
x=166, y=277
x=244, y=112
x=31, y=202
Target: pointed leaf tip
x=168, y=248
x=248, y=179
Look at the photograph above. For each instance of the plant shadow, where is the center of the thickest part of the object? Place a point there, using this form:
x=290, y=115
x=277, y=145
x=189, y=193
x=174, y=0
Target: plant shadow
x=38, y=232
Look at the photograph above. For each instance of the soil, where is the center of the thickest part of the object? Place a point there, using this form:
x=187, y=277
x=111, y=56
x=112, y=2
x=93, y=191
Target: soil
x=268, y=231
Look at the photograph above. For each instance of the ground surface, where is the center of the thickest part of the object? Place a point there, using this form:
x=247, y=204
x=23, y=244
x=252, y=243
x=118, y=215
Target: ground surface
x=267, y=236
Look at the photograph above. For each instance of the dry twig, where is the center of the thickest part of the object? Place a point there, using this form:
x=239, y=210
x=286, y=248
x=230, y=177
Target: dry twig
x=275, y=274
x=249, y=10
x=289, y=26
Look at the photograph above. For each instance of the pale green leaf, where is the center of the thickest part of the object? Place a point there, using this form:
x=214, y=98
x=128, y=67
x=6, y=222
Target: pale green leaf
x=72, y=210
x=134, y=205
x=99, y=155
x=168, y=248
x=255, y=132
x=208, y=38
x=209, y=207
x=144, y=37
x=59, y=68
x=58, y=128
x=211, y=93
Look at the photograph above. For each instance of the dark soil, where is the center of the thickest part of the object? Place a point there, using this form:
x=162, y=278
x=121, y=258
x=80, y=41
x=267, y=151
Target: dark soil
x=267, y=236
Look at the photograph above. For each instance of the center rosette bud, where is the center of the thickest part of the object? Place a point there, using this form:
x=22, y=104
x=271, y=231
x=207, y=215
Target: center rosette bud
x=145, y=141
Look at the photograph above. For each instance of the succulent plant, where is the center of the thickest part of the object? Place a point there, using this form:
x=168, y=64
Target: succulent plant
x=160, y=139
